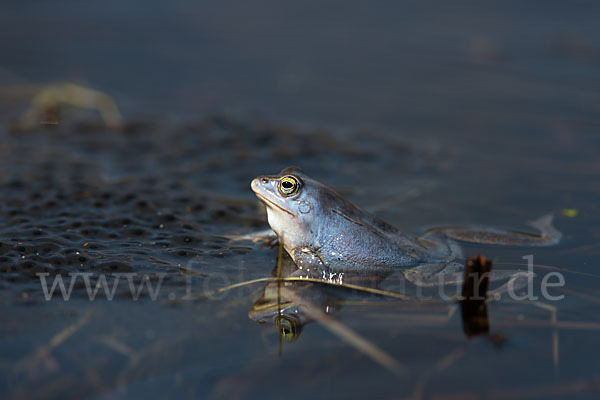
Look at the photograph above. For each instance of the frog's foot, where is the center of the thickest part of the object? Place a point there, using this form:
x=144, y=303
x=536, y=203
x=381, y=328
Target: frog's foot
x=268, y=236
x=548, y=231
x=518, y=280
x=432, y=275
x=492, y=236
x=453, y=273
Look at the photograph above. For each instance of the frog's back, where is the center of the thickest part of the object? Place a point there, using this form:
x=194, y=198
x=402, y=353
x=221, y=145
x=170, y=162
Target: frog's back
x=381, y=244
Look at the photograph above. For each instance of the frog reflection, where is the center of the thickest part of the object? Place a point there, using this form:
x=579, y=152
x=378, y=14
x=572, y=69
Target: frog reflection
x=284, y=304
x=280, y=305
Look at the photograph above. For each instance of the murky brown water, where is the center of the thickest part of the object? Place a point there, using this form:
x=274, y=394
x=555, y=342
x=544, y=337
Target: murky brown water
x=425, y=116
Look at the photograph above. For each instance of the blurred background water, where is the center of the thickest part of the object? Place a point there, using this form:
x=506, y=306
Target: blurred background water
x=427, y=113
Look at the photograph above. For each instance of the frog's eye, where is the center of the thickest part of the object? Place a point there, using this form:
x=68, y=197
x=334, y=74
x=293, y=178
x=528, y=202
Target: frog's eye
x=288, y=329
x=288, y=186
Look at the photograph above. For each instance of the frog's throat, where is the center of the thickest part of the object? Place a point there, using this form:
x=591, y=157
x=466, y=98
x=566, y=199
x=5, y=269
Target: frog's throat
x=263, y=198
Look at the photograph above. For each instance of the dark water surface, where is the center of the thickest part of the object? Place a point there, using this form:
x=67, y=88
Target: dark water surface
x=424, y=113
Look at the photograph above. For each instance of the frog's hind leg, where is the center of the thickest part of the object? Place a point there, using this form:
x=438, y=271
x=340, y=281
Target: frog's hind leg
x=493, y=236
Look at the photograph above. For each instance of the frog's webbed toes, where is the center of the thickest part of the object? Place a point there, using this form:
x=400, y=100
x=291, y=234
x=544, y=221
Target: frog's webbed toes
x=547, y=230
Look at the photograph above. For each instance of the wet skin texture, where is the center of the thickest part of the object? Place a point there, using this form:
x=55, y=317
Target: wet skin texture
x=321, y=230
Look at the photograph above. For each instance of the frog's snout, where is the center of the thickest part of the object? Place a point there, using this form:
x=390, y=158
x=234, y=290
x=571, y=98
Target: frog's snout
x=257, y=183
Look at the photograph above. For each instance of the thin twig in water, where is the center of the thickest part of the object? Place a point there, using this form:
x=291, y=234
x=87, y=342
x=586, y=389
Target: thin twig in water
x=41, y=355
x=551, y=267
x=553, y=310
x=347, y=335
x=117, y=346
x=279, y=262
x=580, y=295
x=443, y=363
x=311, y=280
x=574, y=325
x=579, y=249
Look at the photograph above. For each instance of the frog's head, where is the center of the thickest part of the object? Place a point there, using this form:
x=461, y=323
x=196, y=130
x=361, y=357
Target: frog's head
x=293, y=205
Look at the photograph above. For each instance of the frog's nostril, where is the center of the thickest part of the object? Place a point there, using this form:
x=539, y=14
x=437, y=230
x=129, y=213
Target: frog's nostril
x=264, y=180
